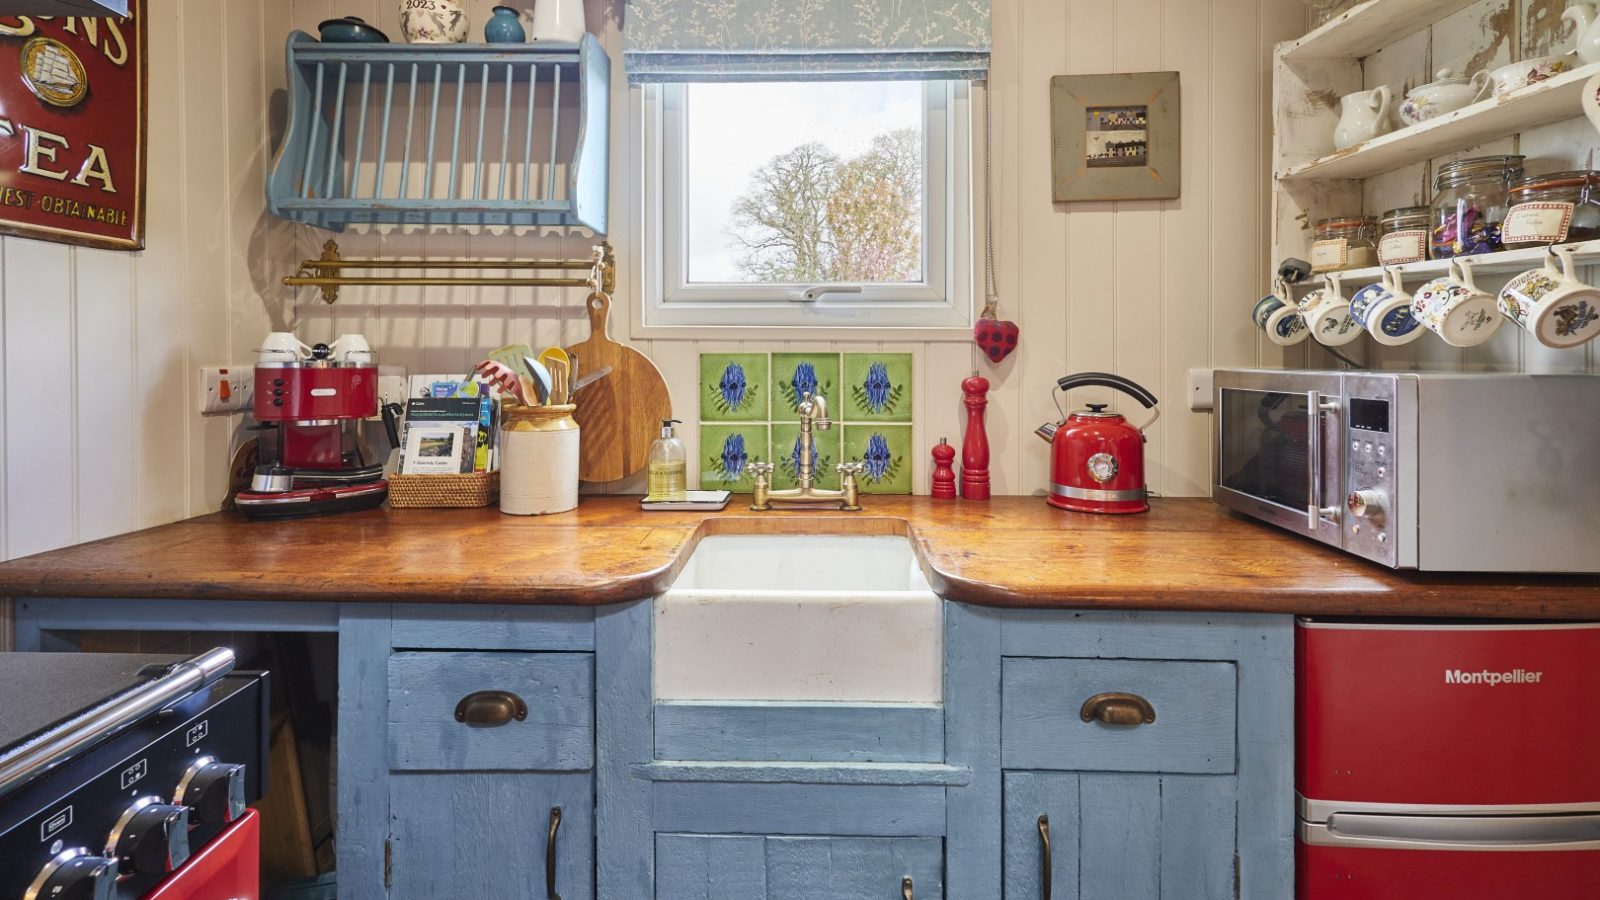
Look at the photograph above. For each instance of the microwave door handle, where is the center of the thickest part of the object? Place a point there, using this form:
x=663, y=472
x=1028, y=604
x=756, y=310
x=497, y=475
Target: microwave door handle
x=1483, y=833
x=1315, y=511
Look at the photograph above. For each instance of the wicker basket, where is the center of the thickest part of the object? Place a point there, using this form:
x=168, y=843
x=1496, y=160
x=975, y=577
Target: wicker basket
x=442, y=491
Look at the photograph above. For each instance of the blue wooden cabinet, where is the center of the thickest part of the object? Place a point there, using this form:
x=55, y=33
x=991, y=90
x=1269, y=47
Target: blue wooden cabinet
x=752, y=801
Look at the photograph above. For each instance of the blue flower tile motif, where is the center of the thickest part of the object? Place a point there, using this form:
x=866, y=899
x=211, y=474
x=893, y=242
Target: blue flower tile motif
x=804, y=380
x=733, y=459
x=877, y=459
x=733, y=387
x=794, y=375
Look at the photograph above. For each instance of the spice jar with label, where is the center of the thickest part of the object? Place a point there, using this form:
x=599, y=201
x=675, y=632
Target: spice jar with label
x=1403, y=235
x=1469, y=204
x=1553, y=209
x=1344, y=242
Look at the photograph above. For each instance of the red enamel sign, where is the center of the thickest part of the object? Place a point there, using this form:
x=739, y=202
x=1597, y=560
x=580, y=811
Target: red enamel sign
x=72, y=129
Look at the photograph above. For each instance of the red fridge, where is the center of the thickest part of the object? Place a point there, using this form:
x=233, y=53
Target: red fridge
x=1447, y=761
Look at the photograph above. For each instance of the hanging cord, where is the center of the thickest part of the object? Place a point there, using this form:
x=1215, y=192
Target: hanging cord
x=991, y=299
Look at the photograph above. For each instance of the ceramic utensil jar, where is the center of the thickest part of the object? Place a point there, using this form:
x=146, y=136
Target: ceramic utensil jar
x=1446, y=94
x=1455, y=309
x=538, y=460
x=1362, y=116
x=1552, y=304
x=433, y=21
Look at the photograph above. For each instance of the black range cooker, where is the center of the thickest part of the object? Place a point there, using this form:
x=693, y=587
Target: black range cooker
x=116, y=768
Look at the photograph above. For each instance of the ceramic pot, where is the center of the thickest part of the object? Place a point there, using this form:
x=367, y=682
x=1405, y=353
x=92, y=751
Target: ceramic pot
x=350, y=30
x=433, y=21
x=505, y=27
x=1448, y=93
x=1552, y=304
x=1362, y=116
x=560, y=21
x=1519, y=75
x=1588, y=36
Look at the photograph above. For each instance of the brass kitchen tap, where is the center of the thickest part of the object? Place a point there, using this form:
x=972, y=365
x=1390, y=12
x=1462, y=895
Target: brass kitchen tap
x=813, y=415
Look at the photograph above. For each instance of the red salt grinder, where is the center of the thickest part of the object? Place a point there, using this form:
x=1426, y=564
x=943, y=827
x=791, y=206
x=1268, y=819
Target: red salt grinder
x=975, y=445
x=944, y=477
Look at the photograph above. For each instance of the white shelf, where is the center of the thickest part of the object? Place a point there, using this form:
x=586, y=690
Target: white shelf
x=1537, y=104
x=1506, y=262
x=1370, y=26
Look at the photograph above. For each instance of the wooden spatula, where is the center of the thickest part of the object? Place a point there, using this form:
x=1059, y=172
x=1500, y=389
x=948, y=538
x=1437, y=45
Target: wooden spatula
x=620, y=414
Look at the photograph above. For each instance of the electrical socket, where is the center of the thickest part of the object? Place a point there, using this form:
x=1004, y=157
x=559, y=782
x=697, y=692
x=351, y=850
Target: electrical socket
x=1200, y=383
x=226, y=390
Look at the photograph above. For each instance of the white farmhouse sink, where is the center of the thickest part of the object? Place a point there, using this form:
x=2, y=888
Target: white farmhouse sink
x=800, y=618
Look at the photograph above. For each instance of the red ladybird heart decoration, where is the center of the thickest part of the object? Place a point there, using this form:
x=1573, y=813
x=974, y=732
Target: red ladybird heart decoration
x=995, y=337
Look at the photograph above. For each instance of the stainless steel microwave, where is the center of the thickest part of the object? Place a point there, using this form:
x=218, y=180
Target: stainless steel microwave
x=1437, y=472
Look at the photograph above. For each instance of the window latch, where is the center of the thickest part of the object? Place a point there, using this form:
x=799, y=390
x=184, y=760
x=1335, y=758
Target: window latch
x=816, y=291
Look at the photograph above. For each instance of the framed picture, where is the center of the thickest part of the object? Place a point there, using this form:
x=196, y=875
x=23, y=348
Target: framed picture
x=1116, y=137
x=72, y=128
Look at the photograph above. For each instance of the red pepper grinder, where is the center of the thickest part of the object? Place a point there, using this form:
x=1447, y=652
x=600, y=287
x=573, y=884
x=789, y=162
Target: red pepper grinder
x=975, y=446
x=944, y=476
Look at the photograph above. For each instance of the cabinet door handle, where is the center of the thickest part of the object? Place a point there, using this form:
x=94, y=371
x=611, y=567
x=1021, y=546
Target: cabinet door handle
x=1046, y=860
x=491, y=708
x=905, y=889
x=1117, y=708
x=550, y=855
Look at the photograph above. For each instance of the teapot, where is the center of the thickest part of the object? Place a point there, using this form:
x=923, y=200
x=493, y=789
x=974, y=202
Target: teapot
x=1362, y=116
x=1583, y=15
x=1447, y=94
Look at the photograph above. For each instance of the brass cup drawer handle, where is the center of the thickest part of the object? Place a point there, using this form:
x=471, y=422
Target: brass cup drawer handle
x=491, y=708
x=1117, y=708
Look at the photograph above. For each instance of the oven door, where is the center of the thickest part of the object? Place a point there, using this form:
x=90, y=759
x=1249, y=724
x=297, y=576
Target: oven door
x=1279, y=448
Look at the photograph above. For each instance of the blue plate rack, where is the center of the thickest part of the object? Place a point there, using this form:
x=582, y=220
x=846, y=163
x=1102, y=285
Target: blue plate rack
x=445, y=134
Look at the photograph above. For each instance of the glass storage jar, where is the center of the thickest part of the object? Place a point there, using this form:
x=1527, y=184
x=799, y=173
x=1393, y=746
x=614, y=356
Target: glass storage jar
x=1344, y=242
x=1469, y=204
x=1403, y=235
x=1553, y=209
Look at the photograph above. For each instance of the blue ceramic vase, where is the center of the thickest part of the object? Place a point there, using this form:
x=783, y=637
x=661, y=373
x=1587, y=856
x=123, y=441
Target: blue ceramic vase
x=504, y=27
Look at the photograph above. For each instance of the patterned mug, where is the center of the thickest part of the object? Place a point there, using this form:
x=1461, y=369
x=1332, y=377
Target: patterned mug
x=1553, y=305
x=1455, y=309
x=1383, y=308
x=1327, y=315
x=1280, y=321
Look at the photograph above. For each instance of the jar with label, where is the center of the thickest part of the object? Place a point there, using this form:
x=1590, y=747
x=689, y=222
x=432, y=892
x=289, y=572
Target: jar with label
x=1403, y=235
x=1553, y=209
x=1344, y=242
x=1469, y=204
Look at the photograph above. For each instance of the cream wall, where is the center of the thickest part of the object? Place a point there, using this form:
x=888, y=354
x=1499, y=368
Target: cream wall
x=99, y=349
x=1145, y=289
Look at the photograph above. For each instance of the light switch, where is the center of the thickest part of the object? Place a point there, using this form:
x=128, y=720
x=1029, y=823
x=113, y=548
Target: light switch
x=225, y=390
x=1200, y=389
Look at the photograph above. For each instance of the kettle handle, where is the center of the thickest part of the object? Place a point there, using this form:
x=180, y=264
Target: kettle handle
x=1106, y=379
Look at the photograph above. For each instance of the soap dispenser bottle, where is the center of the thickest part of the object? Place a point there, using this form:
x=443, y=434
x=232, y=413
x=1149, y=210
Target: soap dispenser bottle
x=669, y=466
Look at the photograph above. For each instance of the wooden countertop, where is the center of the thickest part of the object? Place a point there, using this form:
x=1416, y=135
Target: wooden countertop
x=1012, y=551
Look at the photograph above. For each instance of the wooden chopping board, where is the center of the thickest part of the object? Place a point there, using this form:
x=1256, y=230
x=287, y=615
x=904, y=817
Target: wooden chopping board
x=621, y=413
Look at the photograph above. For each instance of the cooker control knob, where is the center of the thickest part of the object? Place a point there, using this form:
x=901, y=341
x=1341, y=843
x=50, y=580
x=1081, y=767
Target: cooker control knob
x=1366, y=504
x=213, y=791
x=75, y=875
x=151, y=838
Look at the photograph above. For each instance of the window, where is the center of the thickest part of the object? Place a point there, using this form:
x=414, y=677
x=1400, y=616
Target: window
x=823, y=203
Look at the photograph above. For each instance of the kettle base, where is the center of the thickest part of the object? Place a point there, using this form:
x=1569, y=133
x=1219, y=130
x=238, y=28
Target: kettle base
x=1103, y=507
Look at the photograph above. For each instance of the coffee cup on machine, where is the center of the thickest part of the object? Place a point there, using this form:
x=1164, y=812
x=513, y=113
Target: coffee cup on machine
x=281, y=348
x=352, y=350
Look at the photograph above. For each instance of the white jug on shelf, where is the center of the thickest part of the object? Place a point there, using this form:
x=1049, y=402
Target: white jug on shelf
x=560, y=21
x=1363, y=116
x=1588, y=31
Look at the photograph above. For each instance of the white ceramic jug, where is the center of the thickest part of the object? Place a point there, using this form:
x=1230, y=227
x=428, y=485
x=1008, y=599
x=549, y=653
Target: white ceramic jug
x=1588, y=36
x=1362, y=116
x=557, y=20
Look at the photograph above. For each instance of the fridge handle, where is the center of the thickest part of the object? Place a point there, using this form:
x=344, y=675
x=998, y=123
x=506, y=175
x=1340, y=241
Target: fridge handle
x=1479, y=833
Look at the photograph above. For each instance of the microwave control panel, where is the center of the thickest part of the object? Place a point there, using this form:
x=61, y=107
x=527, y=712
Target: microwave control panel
x=1369, y=478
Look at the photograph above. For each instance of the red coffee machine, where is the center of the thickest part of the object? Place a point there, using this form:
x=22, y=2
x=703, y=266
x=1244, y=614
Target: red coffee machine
x=310, y=403
x=1098, y=457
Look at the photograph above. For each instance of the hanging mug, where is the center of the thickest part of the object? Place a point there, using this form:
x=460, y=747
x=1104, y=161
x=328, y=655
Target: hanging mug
x=1327, y=315
x=1281, y=321
x=1384, y=310
x=433, y=21
x=1552, y=304
x=1455, y=309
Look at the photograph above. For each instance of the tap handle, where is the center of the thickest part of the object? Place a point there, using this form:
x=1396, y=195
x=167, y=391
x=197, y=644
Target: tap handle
x=851, y=469
x=761, y=471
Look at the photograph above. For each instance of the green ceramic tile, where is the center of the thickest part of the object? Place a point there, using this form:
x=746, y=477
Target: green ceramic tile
x=726, y=452
x=886, y=449
x=733, y=387
x=786, y=454
x=877, y=387
x=820, y=370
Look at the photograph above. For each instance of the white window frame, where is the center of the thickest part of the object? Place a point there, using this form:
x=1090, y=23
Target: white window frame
x=940, y=307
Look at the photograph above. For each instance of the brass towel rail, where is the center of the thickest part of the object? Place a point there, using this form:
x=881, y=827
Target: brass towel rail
x=327, y=272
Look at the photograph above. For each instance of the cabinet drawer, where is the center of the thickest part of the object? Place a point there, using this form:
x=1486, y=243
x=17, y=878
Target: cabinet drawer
x=753, y=867
x=556, y=735
x=1041, y=726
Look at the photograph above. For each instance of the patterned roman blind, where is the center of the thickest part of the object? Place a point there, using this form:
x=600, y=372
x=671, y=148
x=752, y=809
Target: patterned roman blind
x=817, y=40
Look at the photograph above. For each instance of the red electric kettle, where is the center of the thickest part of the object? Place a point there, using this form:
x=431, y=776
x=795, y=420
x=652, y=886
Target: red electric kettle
x=1098, y=457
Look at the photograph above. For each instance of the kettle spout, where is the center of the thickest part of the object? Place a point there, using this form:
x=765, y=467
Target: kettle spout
x=1047, y=432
